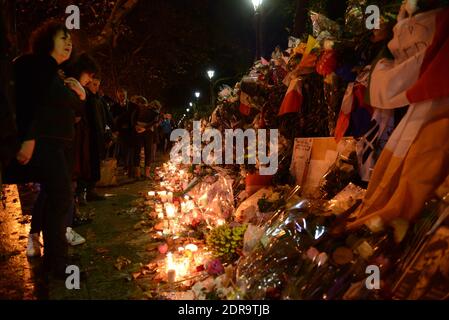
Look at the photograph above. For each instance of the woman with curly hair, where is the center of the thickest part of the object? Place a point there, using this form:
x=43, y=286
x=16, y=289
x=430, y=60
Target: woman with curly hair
x=45, y=105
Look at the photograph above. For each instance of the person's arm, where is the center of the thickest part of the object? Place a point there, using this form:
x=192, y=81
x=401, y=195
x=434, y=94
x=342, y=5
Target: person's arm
x=34, y=76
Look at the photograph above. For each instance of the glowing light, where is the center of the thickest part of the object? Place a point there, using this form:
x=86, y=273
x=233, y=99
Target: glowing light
x=170, y=210
x=191, y=247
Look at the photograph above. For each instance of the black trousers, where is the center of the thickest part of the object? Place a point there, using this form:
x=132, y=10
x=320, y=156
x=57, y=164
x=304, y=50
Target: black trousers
x=50, y=165
x=144, y=140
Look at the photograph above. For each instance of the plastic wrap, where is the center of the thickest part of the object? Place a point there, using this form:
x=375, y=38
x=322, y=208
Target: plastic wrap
x=214, y=199
x=282, y=253
x=346, y=199
x=322, y=23
x=355, y=19
x=341, y=173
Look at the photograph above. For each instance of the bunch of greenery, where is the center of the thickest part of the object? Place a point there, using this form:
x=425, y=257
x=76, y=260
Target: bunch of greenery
x=226, y=242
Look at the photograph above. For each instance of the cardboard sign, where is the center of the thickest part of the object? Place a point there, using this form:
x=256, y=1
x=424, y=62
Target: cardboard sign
x=302, y=151
x=312, y=158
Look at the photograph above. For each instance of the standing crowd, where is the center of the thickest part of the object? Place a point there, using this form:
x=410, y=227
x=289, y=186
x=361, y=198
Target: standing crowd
x=65, y=128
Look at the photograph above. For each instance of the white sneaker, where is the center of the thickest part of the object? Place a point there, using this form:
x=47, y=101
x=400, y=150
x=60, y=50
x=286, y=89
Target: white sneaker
x=34, y=246
x=74, y=238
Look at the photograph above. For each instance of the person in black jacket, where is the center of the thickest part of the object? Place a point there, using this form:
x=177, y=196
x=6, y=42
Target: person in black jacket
x=45, y=105
x=96, y=115
x=122, y=113
x=90, y=130
x=145, y=119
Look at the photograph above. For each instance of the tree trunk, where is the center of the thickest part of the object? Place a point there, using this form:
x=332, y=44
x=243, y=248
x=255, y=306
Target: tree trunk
x=299, y=27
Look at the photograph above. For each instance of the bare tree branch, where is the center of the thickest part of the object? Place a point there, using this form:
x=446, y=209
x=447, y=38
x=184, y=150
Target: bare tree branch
x=121, y=9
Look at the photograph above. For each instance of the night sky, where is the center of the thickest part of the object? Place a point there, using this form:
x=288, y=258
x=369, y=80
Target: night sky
x=177, y=41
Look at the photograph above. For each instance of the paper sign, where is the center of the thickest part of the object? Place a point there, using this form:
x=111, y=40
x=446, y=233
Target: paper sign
x=301, y=159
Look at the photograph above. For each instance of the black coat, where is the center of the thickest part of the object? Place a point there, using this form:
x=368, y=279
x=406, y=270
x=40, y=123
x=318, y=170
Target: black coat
x=44, y=105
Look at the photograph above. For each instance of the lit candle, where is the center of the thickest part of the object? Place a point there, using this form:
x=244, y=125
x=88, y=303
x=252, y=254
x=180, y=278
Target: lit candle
x=191, y=247
x=151, y=193
x=163, y=195
x=170, y=210
x=160, y=215
x=170, y=197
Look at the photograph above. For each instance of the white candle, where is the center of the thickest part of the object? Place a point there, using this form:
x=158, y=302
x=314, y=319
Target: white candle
x=170, y=210
x=160, y=215
x=170, y=197
x=191, y=247
x=151, y=193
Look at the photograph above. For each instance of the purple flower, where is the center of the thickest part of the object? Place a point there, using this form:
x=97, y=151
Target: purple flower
x=214, y=267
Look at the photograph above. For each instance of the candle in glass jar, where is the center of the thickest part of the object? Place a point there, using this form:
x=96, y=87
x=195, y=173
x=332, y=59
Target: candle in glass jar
x=171, y=275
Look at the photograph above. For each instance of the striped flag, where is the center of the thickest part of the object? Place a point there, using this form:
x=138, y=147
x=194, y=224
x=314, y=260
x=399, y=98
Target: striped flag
x=293, y=98
x=415, y=159
x=245, y=104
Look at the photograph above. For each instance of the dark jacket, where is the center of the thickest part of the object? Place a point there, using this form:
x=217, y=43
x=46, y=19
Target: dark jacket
x=123, y=116
x=44, y=105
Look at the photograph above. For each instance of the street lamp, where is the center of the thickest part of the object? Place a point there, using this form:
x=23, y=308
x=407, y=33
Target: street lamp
x=257, y=4
x=257, y=15
x=210, y=74
x=197, y=95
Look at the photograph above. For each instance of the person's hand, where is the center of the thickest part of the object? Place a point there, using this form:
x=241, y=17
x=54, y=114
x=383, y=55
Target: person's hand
x=74, y=85
x=139, y=129
x=26, y=152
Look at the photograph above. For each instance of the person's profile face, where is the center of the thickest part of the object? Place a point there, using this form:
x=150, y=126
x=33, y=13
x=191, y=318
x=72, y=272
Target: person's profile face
x=94, y=86
x=62, y=46
x=432, y=261
x=121, y=96
x=86, y=78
